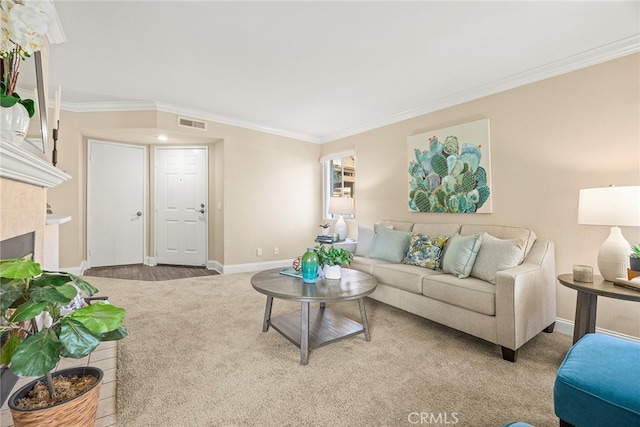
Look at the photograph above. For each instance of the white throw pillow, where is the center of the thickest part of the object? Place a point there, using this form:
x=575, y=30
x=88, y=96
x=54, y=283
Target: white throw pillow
x=460, y=255
x=496, y=255
x=365, y=239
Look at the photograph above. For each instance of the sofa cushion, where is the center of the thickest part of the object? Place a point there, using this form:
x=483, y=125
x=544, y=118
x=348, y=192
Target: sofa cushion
x=365, y=239
x=365, y=264
x=425, y=251
x=496, y=255
x=528, y=237
x=389, y=245
x=396, y=225
x=471, y=293
x=402, y=276
x=460, y=255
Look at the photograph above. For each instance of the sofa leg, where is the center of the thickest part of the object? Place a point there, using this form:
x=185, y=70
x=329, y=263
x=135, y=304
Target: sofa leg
x=565, y=424
x=509, y=355
x=549, y=329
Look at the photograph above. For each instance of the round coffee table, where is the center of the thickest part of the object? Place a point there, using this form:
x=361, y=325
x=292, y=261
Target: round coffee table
x=313, y=328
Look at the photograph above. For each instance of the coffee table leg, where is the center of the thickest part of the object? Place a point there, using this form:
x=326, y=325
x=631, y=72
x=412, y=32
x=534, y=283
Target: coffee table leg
x=365, y=323
x=304, y=334
x=267, y=314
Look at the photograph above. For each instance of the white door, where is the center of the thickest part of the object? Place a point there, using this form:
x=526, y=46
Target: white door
x=116, y=200
x=181, y=205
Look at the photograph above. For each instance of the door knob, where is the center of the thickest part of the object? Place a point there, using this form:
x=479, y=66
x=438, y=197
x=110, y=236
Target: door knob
x=201, y=211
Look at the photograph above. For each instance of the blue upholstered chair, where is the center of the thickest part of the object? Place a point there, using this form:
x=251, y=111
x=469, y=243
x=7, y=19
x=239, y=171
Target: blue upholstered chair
x=598, y=383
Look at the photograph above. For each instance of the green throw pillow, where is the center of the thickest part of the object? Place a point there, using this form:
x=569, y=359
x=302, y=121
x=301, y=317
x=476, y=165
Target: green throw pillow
x=425, y=251
x=389, y=245
x=460, y=255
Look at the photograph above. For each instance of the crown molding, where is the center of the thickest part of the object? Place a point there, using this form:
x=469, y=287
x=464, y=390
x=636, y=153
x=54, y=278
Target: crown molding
x=94, y=107
x=584, y=59
x=55, y=34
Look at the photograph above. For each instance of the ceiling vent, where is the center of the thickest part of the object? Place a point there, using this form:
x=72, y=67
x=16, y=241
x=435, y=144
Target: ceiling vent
x=192, y=123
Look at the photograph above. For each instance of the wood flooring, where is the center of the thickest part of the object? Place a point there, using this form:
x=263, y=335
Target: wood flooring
x=149, y=273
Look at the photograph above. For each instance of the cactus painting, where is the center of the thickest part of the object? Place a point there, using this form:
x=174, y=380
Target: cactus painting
x=449, y=170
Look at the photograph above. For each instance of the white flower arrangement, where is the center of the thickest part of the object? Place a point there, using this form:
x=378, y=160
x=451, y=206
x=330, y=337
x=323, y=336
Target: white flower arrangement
x=24, y=24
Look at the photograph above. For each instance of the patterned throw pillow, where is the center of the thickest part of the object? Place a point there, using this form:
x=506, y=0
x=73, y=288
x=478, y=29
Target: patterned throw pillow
x=425, y=251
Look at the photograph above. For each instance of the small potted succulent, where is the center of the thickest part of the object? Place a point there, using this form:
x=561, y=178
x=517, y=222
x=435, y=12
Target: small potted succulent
x=43, y=319
x=332, y=260
x=634, y=257
x=324, y=229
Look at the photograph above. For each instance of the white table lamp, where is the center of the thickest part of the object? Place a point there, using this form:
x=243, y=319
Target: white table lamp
x=613, y=206
x=341, y=206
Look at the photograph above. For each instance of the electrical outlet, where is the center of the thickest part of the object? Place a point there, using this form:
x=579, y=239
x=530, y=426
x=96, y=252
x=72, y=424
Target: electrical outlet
x=276, y=251
x=259, y=252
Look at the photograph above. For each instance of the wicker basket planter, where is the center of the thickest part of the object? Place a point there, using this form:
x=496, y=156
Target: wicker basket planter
x=79, y=411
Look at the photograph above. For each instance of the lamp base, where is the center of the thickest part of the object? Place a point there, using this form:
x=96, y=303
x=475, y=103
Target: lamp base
x=613, y=257
x=340, y=228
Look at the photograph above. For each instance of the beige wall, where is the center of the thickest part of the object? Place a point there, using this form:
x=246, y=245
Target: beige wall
x=268, y=186
x=548, y=140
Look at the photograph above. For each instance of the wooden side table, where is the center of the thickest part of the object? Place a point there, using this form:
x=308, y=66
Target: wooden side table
x=587, y=300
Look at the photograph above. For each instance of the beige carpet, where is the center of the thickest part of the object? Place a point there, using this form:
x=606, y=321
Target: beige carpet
x=196, y=356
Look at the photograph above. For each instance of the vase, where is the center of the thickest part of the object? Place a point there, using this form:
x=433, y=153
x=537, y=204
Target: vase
x=14, y=123
x=79, y=411
x=310, y=263
x=333, y=272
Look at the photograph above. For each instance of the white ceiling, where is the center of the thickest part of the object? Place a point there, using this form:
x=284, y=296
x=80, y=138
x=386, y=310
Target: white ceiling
x=319, y=71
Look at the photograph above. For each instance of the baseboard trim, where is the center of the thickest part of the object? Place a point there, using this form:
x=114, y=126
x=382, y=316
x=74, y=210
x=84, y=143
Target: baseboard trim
x=565, y=327
x=245, y=268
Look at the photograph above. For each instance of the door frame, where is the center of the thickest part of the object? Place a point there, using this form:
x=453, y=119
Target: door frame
x=145, y=192
x=155, y=195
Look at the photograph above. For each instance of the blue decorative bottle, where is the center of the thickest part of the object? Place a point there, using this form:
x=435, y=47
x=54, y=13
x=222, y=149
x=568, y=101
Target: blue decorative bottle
x=310, y=263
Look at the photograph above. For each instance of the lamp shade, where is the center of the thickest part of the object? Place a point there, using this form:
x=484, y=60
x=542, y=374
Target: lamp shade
x=341, y=205
x=610, y=206
x=613, y=206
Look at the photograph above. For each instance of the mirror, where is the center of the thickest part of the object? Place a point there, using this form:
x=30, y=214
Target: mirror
x=31, y=86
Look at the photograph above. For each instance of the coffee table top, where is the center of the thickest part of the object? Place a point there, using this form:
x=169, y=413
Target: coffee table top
x=353, y=285
x=600, y=287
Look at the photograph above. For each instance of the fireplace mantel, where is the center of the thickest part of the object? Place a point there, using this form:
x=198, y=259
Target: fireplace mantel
x=21, y=165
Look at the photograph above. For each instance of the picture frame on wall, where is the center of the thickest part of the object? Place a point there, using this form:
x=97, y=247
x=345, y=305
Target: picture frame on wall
x=450, y=169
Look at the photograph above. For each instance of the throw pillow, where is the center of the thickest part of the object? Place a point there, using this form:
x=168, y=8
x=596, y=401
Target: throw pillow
x=425, y=251
x=365, y=239
x=389, y=245
x=495, y=255
x=461, y=254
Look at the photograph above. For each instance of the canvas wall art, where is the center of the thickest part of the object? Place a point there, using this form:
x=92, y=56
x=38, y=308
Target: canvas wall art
x=450, y=169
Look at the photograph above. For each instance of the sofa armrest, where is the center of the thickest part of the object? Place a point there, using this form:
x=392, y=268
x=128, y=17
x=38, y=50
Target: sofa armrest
x=526, y=297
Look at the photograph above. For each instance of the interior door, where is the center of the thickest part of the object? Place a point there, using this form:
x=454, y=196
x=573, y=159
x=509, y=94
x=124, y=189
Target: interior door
x=116, y=200
x=181, y=205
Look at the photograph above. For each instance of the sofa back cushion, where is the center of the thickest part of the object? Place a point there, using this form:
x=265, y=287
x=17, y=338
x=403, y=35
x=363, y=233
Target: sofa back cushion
x=389, y=245
x=396, y=225
x=436, y=229
x=365, y=239
x=460, y=255
x=496, y=255
x=525, y=236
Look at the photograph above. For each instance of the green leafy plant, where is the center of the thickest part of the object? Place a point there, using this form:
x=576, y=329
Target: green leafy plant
x=333, y=256
x=635, y=251
x=27, y=294
x=324, y=225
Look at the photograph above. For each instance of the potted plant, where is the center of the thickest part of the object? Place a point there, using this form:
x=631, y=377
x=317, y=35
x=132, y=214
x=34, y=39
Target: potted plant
x=324, y=229
x=43, y=320
x=332, y=260
x=634, y=257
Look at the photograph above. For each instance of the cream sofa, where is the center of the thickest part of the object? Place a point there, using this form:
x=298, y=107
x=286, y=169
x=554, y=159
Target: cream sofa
x=509, y=312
